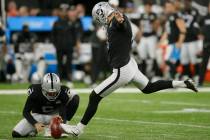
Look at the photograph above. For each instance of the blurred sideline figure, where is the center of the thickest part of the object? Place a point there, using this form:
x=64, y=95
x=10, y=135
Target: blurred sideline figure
x=205, y=30
x=190, y=48
x=147, y=47
x=175, y=32
x=3, y=53
x=25, y=56
x=99, y=53
x=12, y=9
x=65, y=35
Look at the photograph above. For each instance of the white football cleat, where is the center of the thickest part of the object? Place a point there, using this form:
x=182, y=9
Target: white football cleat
x=71, y=129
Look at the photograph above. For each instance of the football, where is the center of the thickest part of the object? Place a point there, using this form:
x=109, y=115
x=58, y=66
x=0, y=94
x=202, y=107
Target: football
x=55, y=127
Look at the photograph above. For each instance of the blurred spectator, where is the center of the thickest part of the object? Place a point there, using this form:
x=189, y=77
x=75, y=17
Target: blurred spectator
x=175, y=31
x=205, y=30
x=24, y=55
x=23, y=11
x=149, y=25
x=128, y=5
x=80, y=9
x=3, y=52
x=190, y=48
x=178, y=4
x=55, y=12
x=34, y=11
x=99, y=53
x=12, y=9
x=66, y=35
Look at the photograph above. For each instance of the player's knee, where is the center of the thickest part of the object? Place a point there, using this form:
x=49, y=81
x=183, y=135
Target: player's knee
x=16, y=134
x=76, y=100
x=74, y=103
x=94, y=98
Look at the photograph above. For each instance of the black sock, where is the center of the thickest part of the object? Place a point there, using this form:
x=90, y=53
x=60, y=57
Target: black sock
x=156, y=86
x=94, y=100
x=16, y=134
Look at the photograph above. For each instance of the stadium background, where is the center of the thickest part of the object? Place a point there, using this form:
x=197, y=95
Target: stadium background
x=40, y=16
x=176, y=114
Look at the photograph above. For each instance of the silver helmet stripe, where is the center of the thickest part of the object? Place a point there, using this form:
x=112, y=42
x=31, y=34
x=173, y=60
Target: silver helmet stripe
x=51, y=77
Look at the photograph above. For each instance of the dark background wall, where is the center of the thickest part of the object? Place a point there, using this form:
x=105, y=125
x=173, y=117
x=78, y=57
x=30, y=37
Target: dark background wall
x=50, y=4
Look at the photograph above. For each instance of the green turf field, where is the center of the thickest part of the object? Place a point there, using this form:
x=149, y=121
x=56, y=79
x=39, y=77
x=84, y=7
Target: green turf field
x=175, y=116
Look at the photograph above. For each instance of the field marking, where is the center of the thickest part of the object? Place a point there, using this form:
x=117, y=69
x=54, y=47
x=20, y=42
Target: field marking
x=183, y=103
x=105, y=136
x=133, y=121
x=120, y=90
x=161, y=102
x=152, y=123
x=9, y=112
x=185, y=110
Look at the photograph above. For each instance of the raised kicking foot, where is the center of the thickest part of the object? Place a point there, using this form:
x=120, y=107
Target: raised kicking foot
x=71, y=130
x=190, y=85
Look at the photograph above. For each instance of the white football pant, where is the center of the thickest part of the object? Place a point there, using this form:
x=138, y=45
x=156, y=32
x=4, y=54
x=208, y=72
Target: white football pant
x=122, y=76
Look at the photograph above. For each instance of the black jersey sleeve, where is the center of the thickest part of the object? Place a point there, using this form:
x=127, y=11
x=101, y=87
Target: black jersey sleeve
x=28, y=107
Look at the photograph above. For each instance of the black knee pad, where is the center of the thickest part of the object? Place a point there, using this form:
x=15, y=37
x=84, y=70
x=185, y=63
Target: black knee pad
x=16, y=134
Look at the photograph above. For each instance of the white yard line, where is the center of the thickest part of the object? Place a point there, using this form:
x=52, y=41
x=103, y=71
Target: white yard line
x=156, y=102
x=185, y=110
x=120, y=90
x=183, y=103
x=138, y=122
x=135, y=122
x=10, y=112
x=108, y=136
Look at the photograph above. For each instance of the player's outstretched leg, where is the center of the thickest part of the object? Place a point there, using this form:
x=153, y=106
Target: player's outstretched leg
x=142, y=82
x=161, y=85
